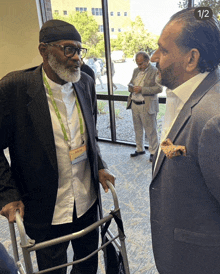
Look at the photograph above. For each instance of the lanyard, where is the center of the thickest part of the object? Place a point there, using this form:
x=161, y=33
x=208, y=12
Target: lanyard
x=58, y=113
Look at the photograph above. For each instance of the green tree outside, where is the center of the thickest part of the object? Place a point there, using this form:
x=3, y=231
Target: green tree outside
x=88, y=29
x=134, y=38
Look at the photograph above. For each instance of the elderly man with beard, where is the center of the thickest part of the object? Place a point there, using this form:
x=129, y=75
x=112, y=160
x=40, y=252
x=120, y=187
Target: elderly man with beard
x=47, y=120
x=185, y=188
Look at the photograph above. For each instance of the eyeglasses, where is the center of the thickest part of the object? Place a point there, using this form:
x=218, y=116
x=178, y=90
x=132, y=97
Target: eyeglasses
x=70, y=51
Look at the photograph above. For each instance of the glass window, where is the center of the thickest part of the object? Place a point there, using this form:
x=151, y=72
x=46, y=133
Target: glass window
x=56, y=11
x=122, y=56
x=123, y=117
x=65, y=12
x=103, y=119
x=97, y=11
x=81, y=9
x=100, y=28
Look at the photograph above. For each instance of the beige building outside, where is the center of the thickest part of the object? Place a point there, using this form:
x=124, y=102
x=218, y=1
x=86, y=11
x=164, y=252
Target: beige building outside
x=119, y=12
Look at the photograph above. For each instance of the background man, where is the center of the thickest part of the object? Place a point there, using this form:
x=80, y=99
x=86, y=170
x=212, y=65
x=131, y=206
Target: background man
x=98, y=71
x=113, y=73
x=185, y=189
x=48, y=124
x=85, y=68
x=143, y=102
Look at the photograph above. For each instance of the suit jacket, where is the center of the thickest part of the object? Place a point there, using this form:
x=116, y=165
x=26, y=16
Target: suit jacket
x=26, y=129
x=149, y=90
x=185, y=190
x=85, y=68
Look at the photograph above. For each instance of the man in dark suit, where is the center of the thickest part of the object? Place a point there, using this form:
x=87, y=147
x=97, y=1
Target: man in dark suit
x=47, y=120
x=85, y=68
x=185, y=189
x=144, y=104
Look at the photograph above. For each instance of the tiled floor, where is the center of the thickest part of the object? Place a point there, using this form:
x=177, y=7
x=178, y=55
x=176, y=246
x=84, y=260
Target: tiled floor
x=133, y=176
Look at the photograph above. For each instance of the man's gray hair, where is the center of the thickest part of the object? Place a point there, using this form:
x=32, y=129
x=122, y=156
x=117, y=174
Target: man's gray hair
x=144, y=54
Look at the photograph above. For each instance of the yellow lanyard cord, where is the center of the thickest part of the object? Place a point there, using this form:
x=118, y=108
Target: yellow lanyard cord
x=58, y=113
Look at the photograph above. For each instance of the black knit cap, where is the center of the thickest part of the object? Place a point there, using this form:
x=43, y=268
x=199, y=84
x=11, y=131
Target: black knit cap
x=55, y=30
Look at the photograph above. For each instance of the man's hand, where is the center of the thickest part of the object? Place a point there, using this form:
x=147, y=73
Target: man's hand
x=104, y=175
x=10, y=209
x=137, y=89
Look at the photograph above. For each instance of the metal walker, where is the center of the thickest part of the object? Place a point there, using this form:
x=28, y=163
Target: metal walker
x=28, y=245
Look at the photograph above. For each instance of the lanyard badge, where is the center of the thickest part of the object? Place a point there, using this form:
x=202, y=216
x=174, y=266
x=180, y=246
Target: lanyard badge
x=79, y=154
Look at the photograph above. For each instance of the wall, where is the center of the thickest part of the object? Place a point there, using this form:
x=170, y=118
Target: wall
x=19, y=32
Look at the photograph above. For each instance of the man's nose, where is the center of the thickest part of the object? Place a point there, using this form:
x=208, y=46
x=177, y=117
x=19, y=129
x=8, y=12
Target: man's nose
x=76, y=56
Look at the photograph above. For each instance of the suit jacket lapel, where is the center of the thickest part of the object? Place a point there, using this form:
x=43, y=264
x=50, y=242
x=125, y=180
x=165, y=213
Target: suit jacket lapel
x=148, y=72
x=85, y=104
x=40, y=114
x=186, y=111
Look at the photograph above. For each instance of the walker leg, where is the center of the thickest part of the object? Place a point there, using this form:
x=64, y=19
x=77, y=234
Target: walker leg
x=123, y=247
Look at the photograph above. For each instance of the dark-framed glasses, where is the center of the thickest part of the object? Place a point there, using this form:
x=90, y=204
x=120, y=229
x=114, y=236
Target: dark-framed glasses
x=70, y=51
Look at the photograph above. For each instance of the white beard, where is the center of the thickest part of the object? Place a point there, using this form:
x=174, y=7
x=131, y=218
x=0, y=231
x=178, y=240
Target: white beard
x=64, y=73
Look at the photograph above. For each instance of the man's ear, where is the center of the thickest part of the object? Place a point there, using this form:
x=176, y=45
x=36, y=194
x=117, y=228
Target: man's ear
x=43, y=50
x=192, y=60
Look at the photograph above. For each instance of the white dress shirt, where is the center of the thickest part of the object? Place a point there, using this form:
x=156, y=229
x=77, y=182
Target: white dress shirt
x=139, y=81
x=175, y=101
x=74, y=182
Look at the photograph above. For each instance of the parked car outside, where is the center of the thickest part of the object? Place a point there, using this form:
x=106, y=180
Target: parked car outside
x=118, y=56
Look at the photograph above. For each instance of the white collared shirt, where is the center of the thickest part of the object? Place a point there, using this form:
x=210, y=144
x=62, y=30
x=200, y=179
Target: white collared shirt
x=139, y=81
x=175, y=101
x=74, y=183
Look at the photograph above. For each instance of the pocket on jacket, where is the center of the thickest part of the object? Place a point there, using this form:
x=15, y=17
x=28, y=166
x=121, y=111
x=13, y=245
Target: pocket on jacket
x=197, y=238
x=153, y=106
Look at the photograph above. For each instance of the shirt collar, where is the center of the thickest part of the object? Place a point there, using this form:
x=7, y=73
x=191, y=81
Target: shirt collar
x=184, y=91
x=57, y=87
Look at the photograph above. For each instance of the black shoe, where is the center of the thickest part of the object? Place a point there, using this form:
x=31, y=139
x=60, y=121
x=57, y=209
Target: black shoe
x=151, y=158
x=136, y=153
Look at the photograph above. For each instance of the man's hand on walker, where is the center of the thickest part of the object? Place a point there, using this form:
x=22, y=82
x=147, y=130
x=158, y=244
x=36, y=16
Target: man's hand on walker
x=10, y=209
x=104, y=175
